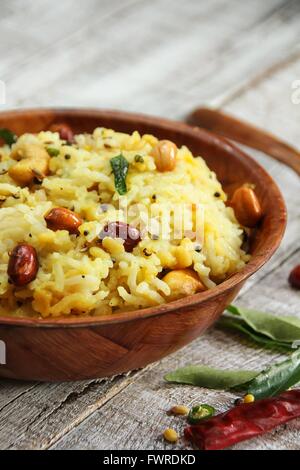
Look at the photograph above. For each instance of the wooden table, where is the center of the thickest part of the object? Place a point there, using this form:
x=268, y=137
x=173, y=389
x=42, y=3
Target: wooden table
x=161, y=57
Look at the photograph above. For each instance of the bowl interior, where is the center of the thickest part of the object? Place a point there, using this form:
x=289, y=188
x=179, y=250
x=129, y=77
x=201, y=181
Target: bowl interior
x=232, y=166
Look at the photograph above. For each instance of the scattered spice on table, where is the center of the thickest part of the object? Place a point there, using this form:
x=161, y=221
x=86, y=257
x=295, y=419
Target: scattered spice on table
x=265, y=404
x=200, y=412
x=170, y=435
x=179, y=410
x=244, y=421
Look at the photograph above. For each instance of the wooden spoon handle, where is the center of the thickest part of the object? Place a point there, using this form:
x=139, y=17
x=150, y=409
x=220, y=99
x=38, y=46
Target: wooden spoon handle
x=247, y=134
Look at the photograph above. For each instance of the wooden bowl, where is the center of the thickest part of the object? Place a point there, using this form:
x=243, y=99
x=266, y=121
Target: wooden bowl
x=83, y=348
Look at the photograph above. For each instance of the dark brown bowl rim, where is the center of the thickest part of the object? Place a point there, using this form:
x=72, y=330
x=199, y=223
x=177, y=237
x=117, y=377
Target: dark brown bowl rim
x=256, y=262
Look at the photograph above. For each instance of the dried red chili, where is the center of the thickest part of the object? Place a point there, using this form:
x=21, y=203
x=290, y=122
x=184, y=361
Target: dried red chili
x=244, y=421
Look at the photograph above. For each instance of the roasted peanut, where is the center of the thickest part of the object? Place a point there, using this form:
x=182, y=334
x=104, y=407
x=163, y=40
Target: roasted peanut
x=33, y=162
x=129, y=234
x=246, y=206
x=294, y=277
x=164, y=154
x=23, y=265
x=183, y=282
x=64, y=130
x=60, y=218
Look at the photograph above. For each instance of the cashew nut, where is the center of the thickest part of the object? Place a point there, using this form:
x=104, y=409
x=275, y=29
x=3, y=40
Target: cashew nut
x=33, y=162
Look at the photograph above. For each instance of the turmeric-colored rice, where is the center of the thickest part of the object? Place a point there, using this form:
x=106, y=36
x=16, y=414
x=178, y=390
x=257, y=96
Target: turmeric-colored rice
x=80, y=275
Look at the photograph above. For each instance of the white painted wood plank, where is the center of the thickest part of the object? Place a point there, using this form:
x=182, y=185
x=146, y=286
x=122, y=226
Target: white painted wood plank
x=11, y=390
x=40, y=416
x=156, y=56
x=27, y=32
x=203, y=64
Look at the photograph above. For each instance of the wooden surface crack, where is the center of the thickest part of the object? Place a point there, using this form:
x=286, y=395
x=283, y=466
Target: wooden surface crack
x=119, y=383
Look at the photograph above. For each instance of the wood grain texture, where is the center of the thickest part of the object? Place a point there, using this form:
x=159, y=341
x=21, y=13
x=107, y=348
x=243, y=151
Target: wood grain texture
x=151, y=57
x=241, y=54
x=53, y=409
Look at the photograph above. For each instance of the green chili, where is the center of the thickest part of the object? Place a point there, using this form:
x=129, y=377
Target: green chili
x=199, y=412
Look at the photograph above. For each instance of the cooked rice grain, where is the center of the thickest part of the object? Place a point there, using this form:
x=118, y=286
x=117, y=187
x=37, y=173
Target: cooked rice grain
x=76, y=276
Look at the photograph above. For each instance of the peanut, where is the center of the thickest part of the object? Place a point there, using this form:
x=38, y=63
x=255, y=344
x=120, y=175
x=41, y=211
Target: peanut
x=33, y=162
x=294, y=277
x=183, y=282
x=60, y=218
x=246, y=206
x=164, y=154
x=129, y=234
x=64, y=130
x=23, y=265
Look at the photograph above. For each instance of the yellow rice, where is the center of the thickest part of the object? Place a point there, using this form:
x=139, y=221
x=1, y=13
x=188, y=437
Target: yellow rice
x=79, y=276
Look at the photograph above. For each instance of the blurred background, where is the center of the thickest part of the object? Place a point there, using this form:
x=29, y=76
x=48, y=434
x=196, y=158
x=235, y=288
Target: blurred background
x=161, y=57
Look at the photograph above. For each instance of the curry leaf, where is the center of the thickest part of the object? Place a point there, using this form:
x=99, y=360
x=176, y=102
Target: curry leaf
x=8, y=136
x=204, y=376
x=239, y=325
x=276, y=378
x=270, y=382
x=293, y=320
x=285, y=329
x=120, y=166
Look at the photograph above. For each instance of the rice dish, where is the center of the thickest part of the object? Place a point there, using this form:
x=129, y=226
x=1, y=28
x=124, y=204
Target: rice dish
x=110, y=179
